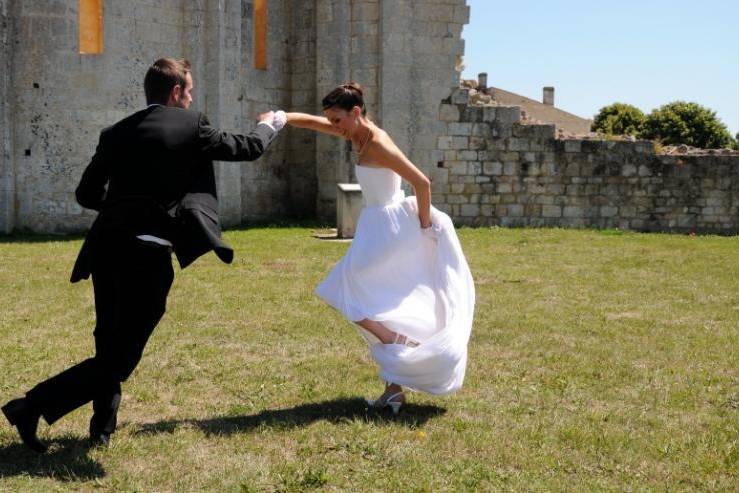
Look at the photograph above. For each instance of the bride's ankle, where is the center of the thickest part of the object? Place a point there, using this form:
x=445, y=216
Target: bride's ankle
x=403, y=340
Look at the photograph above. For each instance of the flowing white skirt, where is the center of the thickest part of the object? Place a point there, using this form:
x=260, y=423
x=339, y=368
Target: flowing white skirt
x=415, y=282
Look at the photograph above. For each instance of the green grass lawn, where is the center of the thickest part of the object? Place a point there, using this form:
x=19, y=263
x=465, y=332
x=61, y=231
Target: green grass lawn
x=599, y=361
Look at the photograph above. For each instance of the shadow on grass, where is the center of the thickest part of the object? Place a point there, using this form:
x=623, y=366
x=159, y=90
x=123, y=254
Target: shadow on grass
x=334, y=411
x=66, y=460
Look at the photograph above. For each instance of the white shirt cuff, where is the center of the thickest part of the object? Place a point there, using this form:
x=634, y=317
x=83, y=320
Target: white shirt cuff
x=268, y=124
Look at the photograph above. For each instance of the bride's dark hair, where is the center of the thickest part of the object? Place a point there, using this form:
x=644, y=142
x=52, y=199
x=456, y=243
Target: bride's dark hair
x=346, y=96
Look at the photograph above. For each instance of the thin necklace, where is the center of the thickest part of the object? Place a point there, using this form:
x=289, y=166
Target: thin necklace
x=364, y=143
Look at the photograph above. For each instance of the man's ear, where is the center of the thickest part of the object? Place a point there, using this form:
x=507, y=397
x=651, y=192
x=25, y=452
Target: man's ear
x=175, y=94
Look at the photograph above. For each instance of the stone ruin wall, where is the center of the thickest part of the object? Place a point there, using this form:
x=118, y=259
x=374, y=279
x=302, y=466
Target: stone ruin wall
x=404, y=54
x=6, y=184
x=486, y=167
x=493, y=170
x=54, y=101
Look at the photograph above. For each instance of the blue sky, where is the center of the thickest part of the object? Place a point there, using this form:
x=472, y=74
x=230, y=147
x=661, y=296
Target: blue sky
x=646, y=53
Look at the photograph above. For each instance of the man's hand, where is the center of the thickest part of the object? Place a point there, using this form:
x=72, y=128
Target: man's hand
x=280, y=120
x=268, y=118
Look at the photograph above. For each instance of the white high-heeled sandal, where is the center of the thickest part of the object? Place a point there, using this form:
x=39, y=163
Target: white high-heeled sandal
x=405, y=340
x=388, y=402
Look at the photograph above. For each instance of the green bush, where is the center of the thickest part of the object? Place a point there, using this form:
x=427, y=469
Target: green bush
x=619, y=119
x=680, y=122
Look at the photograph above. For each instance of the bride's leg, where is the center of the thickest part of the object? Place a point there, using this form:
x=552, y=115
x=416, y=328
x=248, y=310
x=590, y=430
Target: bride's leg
x=393, y=392
x=385, y=335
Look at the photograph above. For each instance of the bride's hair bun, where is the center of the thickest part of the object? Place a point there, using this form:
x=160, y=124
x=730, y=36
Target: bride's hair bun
x=346, y=96
x=353, y=86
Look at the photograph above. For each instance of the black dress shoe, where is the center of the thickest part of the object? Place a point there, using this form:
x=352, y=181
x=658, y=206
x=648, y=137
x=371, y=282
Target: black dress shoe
x=100, y=439
x=25, y=419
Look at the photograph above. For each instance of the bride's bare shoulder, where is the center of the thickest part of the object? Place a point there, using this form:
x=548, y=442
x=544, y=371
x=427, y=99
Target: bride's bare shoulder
x=382, y=138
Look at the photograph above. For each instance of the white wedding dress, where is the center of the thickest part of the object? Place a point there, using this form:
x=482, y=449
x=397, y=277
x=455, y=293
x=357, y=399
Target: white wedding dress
x=415, y=282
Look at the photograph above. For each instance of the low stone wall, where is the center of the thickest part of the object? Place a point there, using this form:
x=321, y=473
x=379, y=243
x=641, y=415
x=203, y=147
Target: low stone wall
x=493, y=170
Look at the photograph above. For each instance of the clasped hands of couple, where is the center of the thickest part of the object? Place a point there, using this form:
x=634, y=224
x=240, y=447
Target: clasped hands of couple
x=275, y=119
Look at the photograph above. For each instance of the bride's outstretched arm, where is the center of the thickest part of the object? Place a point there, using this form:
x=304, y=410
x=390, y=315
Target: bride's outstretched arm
x=312, y=122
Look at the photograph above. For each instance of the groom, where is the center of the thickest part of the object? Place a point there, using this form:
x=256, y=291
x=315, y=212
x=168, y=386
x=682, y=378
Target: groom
x=152, y=182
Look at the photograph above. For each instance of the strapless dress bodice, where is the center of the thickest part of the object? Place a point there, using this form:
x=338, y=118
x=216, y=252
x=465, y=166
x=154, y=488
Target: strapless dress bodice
x=380, y=186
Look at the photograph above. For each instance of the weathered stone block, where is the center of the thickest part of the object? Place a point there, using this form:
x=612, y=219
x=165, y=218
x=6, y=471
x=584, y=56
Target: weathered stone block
x=629, y=170
x=544, y=200
x=477, y=143
x=489, y=114
x=510, y=168
x=481, y=130
x=444, y=142
x=458, y=168
x=492, y=168
x=517, y=145
x=437, y=156
x=456, y=188
x=472, y=114
x=545, y=132
x=460, y=142
x=608, y=211
x=573, y=145
x=515, y=210
x=451, y=155
x=508, y=115
x=439, y=186
x=444, y=207
x=463, y=128
x=461, y=14
x=550, y=168
x=572, y=169
x=644, y=147
x=348, y=207
x=467, y=155
x=460, y=96
x=449, y=113
x=551, y=211
x=457, y=199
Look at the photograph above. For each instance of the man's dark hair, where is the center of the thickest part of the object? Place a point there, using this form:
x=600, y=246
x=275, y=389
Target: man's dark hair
x=162, y=76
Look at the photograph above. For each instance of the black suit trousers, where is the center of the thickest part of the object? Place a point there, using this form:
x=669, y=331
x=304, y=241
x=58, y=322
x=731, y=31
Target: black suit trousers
x=131, y=280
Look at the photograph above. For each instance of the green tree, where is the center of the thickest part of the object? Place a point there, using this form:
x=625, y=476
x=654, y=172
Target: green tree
x=680, y=122
x=618, y=119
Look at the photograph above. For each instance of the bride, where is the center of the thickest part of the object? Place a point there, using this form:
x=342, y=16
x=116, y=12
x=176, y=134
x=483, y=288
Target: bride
x=404, y=280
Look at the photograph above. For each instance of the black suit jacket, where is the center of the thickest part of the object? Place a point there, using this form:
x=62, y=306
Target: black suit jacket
x=152, y=173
